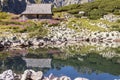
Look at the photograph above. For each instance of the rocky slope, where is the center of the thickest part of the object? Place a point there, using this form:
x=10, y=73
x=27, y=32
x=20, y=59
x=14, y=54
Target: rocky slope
x=58, y=3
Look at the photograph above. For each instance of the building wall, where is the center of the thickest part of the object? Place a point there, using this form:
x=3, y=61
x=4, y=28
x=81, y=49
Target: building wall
x=37, y=16
x=33, y=16
x=45, y=16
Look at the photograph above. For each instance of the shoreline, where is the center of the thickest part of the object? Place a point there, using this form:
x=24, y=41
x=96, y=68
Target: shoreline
x=32, y=75
x=9, y=44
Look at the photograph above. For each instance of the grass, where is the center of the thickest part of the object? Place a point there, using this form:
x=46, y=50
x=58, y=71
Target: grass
x=7, y=24
x=75, y=49
x=83, y=24
x=113, y=26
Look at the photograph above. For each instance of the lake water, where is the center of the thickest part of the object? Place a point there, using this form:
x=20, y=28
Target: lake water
x=95, y=62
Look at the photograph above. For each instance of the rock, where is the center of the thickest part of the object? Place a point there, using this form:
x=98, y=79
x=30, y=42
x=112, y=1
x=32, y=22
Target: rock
x=65, y=78
x=1, y=46
x=81, y=12
x=7, y=75
x=26, y=75
x=32, y=75
x=46, y=78
x=37, y=76
x=56, y=78
x=111, y=17
x=16, y=44
x=23, y=45
x=51, y=76
x=17, y=77
x=7, y=44
x=79, y=78
x=30, y=43
x=41, y=44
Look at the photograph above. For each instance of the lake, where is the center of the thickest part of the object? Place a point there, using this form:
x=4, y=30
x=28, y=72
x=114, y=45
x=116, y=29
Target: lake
x=100, y=61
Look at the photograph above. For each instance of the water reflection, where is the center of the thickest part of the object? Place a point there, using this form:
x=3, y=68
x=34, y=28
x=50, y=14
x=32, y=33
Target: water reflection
x=91, y=64
x=17, y=64
x=42, y=63
x=74, y=59
x=70, y=71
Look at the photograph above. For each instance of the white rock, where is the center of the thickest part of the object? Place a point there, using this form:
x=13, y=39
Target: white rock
x=79, y=78
x=32, y=74
x=65, y=78
x=37, y=76
x=7, y=75
x=24, y=76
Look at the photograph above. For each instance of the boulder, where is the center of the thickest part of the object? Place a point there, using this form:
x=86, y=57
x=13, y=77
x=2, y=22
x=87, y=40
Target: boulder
x=64, y=78
x=1, y=46
x=7, y=75
x=41, y=44
x=26, y=75
x=32, y=75
x=7, y=44
x=37, y=75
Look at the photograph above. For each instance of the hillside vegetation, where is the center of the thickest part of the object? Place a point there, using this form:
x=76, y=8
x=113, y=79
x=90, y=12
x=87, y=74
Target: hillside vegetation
x=10, y=25
x=93, y=10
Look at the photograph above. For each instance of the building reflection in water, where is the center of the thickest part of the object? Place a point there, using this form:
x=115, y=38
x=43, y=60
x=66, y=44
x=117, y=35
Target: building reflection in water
x=41, y=63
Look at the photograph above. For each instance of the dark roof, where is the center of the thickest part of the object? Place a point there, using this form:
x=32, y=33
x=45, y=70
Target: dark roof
x=38, y=9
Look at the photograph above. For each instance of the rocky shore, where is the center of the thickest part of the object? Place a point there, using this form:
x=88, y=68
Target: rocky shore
x=32, y=75
x=57, y=35
x=15, y=42
x=42, y=42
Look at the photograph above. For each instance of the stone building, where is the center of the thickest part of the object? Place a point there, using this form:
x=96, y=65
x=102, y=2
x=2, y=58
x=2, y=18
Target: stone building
x=37, y=11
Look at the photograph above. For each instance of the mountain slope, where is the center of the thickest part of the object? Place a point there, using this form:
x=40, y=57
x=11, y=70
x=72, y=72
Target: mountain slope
x=58, y=3
x=18, y=6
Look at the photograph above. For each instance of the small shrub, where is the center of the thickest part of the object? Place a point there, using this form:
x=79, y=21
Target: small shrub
x=78, y=15
x=66, y=8
x=115, y=28
x=96, y=14
x=4, y=15
x=75, y=11
x=117, y=12
x=118, y=21
x=50, y=25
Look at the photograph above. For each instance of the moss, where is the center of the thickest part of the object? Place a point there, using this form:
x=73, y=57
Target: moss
x=4, y=15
